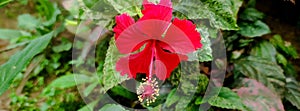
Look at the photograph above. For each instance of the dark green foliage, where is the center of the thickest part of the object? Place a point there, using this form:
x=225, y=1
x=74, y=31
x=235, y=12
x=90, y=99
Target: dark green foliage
x=39, y=75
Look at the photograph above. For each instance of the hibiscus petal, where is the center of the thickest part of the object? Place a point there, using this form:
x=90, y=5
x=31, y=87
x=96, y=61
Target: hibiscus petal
x=135, y=63
x=166, y=47
x=122, y=22
x=190, y=30
x=122, y=66
x=165, y=63
x=178, y=40
x=161, y=11
x=156, y=19
x=133, y=37
x=160, y=70
x=153, y=29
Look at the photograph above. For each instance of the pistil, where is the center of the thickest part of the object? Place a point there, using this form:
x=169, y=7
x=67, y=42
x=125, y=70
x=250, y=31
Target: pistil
x=148, y=90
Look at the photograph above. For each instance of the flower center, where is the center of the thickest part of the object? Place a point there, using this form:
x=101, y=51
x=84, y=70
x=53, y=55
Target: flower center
x=148, y=91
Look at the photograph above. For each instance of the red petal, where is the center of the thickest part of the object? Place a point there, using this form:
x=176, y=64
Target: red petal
x=161, y=11
x=178, y=41
x=165, y=46
x=122, y=66
x=133, y=37
x=165, y=63
x=122, y=22
x=135, y=63
x=190, y=30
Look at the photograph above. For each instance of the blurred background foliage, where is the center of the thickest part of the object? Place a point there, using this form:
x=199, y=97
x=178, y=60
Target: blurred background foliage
x=37, y=39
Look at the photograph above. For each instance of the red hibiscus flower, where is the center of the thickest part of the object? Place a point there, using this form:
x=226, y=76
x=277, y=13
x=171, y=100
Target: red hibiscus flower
x=163, y=42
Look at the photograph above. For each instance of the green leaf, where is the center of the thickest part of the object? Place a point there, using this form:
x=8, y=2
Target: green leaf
x=263, y=70
x=281, y=59
x=90, y=106
x=111, y=77
x=156, y=108
x=70, y=80
x=284, y=46
x=251, y=3
x=191, y=78
x=229, y=39
x=205, y=53
x=100, y=10
x=183, y=103
x=112, y=107
x=181, y=100
x=221, y=13
x=90, y=3
x=265, y=50
x=28, y=22
x=89, y=89
x=258, y=97
x=172, y=98
x=119, y=90
x=23, y=2
x=227, y=99
x=289, y=70
x=199, y=100
x=64, y=46
x=20, y=60
x=293, y=92
x=256, y=29
x=251, y=14
x=190, y=83
x=244, y=42
x=4, y=2
x=202, y=84
x=9, y=34
x=51, y=11
x=74, y=9
x=131, y=7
